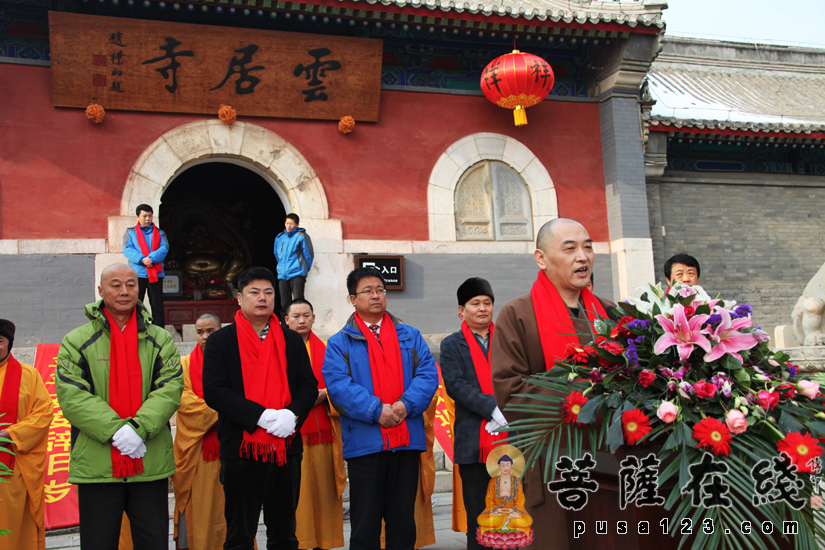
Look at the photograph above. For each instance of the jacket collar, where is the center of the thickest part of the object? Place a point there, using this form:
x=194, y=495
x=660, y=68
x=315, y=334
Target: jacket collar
x=94, y=312
x=351, y=328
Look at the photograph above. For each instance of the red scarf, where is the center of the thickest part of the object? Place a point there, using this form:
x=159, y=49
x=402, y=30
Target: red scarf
x=317, y=428
x=210, y=446
x=125, y=385
x=387, y=373
x=156, y=268
x=264, y=382
x=486, y=441
x=9, y=401
x=553, y=318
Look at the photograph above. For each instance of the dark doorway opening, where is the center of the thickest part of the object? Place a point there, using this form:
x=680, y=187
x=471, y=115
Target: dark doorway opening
x=220, y=219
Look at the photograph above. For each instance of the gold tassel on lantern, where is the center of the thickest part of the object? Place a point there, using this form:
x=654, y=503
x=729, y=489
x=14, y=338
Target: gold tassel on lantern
x=520, y=114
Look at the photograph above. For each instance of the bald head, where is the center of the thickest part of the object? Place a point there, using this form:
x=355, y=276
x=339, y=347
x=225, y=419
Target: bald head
x=548, y=231
x=117, y=270
x=119, y=289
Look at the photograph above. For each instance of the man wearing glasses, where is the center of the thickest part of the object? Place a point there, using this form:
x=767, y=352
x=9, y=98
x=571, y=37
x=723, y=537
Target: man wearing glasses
x=381, y=378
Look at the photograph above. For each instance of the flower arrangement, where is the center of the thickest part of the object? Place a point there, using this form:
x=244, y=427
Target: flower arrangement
x=691, y=375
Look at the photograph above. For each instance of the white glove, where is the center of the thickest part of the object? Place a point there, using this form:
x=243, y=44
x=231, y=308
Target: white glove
x=498, y=417
x=127, y=441
x=492, y=426
x=265, y=421
x=284, y=424
x=141, y=451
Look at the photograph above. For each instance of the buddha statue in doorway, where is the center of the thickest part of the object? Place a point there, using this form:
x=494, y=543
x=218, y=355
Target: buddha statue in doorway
x=204, y=257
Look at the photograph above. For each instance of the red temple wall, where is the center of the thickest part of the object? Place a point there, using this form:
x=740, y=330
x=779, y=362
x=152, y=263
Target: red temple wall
x=61, y=176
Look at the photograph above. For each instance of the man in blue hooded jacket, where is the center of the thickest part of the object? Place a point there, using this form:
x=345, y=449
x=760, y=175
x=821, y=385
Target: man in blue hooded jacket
x=146, y=246
x=293, y=251
x=381, y=378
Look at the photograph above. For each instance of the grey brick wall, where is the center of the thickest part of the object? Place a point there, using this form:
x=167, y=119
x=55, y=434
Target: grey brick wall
x=44, y=295
x=758, y=243
x=624, y=171
x=429, y=302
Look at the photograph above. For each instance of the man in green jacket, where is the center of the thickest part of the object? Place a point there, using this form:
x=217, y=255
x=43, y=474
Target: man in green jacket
x=119, y=381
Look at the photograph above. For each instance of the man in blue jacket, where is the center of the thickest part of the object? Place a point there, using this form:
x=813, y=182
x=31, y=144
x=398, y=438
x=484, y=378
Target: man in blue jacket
x=381, y=378
x=146, y=246
x=293, y=251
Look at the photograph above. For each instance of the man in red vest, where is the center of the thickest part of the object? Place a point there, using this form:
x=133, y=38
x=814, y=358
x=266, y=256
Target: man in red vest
x=146, y=246
x=532, y=333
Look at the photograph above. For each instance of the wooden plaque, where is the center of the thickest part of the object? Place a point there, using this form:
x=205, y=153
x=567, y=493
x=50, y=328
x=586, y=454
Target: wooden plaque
x=142, y=65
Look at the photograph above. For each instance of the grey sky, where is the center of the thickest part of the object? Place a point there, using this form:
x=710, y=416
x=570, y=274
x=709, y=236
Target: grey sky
x=790, y=22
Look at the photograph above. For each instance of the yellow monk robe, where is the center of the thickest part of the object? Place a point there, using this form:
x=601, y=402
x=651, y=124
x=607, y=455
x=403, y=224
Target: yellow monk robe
x=320, y=514
x=424, y=527
x=205, y=521
x=22, y=497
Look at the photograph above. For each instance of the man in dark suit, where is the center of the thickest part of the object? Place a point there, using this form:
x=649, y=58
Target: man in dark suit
x=257, y=375
x=465, y=367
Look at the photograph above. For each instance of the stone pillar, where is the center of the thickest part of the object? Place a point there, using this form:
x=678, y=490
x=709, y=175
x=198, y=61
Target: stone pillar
x=622, y=70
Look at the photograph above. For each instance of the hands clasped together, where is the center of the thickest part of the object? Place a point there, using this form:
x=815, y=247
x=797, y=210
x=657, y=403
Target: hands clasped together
x=392, y=415
x=497, y=422
x=128, y=442
x=278, y=422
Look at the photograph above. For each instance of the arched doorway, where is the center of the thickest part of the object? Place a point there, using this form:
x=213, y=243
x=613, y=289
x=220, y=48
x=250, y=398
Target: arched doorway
x=220, y=218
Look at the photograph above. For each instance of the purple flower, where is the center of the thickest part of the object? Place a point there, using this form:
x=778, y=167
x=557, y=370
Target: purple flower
x=720, y=379
x=680, y=373
x=752, y=398
x=726, y=389
x=640, y=324
x=686, y=387
x=744, y=310
x=632, y=354
x=714, y=319
x=671, y=388
x=666, y=372
x=640, y=339
x=596, y=376
x=792, y=370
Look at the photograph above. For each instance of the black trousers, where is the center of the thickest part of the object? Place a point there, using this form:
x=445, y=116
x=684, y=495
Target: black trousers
x=383, y=485
x=250, y=485
x=155, y=299
x=474, y=482
x=292, y=289
x=101, y=507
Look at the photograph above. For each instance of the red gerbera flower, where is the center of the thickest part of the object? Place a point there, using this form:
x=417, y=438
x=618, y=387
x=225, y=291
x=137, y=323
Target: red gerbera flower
x=802, y=449
x=635, y=425
x=572, y=405
x=714, y=435
x=577, y=353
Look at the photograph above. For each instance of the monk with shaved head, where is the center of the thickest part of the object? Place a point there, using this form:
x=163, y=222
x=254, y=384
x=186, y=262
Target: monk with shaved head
x=119, y=381
x=532, y=333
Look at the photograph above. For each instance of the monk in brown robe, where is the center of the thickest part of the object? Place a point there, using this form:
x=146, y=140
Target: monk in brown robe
x=532, y=332
x=27, y=413
x=319, y=517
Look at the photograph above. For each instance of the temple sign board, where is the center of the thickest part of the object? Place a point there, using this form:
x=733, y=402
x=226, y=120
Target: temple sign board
x=140, y=65
x=390, y=266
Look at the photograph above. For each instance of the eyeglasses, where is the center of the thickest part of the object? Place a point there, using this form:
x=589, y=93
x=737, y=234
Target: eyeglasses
x=370, y=292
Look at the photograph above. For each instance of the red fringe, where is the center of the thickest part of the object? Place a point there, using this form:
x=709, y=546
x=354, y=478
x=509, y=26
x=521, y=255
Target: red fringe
x=398, y=436
x=318, y=438
x=211, y=447
x=483, y=452
x=123, y=466
x=266, y=452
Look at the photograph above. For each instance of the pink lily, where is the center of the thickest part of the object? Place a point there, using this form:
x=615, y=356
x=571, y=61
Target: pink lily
x=728, y=339
x=681, y=333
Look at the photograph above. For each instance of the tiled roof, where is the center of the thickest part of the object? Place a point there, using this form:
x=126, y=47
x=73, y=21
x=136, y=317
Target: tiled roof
x=633, y=13
x=716, y=85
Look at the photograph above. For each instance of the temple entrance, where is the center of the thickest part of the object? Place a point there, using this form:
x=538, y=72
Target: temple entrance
x=220, y=218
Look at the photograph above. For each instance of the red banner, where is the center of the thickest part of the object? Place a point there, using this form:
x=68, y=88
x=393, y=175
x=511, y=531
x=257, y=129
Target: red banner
x=444, y=416
x=61, y=496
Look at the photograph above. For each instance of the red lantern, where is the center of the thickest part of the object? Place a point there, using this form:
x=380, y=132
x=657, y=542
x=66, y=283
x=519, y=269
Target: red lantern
x=517, y=80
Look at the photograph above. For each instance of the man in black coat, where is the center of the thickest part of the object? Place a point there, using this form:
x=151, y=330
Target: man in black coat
x=475, y=409
x=246, y=367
